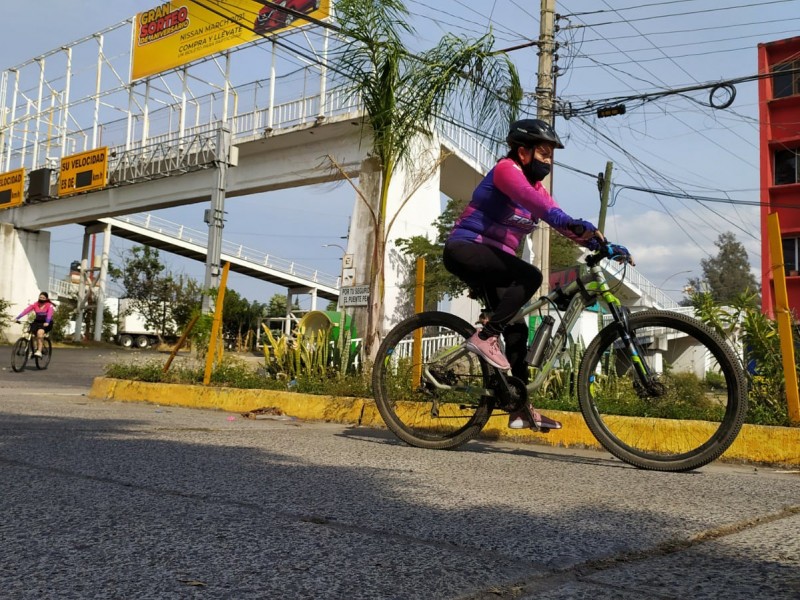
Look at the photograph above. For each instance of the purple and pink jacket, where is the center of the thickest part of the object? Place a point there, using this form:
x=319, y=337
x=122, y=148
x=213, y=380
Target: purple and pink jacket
x=505, y=207
x=44, y=313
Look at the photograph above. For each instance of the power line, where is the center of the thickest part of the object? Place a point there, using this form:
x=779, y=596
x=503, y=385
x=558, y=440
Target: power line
x=597, y=12
x=682, y=14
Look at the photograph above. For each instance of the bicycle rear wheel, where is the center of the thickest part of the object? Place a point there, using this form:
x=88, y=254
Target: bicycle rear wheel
x=433, y=396
x=690, y=413
x=19, y=355
x=47, y=351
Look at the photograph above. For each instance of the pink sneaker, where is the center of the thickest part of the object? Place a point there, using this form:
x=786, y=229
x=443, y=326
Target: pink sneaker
x=489, y=351
x=522, y=420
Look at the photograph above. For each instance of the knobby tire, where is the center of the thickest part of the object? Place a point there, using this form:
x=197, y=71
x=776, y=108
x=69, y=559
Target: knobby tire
x=687, y=422
x=408, y=407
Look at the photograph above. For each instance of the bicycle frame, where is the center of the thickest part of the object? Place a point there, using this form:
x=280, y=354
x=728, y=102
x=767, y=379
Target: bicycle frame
x=585, y=291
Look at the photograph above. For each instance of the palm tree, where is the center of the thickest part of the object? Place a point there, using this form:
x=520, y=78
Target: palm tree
x=403, y=94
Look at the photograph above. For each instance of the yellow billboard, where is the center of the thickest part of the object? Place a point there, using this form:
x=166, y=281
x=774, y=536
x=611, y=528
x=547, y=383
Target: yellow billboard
x=176, y=33
x=12, y=185
x=83, y=172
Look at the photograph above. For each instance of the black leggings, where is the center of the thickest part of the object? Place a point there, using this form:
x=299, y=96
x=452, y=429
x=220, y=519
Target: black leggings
x=508, y=283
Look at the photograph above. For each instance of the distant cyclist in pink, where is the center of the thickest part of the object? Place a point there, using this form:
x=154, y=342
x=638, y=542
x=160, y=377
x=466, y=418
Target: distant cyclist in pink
x=481, y=249
x=43, y=321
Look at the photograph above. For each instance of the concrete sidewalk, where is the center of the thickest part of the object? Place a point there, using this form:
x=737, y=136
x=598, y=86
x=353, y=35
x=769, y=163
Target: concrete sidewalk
x=756, y=443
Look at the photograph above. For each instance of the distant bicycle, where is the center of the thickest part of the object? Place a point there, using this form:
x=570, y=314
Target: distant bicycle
x=24, y=349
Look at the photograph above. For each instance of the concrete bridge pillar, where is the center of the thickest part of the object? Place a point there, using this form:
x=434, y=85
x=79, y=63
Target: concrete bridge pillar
x=413, y=204
x=24, y=269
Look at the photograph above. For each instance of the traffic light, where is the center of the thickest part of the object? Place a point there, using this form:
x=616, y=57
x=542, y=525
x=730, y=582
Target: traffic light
x=611, y=111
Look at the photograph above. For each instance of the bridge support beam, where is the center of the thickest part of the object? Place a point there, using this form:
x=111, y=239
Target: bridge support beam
x=215, y=218
x=24, y=268
x=100, y=295
x=86, y=286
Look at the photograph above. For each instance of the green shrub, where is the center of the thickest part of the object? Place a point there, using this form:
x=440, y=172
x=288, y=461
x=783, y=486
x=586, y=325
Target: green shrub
x=232, y=372
x=5, y=317
x=757, y=334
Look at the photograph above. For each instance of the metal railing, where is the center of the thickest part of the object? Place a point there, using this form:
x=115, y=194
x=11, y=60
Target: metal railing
x=61, y=288
x=430, y=346
x=230, y=250
x=651, y=294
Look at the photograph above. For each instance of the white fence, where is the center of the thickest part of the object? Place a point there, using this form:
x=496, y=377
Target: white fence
x=430, y=346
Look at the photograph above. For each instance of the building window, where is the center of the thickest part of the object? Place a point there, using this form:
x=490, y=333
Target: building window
x=791, y=255
x=786, y=79
x=786, y=166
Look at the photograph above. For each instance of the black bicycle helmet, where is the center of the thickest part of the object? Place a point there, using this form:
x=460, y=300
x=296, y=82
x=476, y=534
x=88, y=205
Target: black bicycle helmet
x=530, y=132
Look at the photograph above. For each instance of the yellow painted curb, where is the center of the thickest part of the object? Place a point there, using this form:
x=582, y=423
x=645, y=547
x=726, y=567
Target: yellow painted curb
x=302, y=406
x=756, y=443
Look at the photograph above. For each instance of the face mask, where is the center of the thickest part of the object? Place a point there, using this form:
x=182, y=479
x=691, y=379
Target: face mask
x=536, y=170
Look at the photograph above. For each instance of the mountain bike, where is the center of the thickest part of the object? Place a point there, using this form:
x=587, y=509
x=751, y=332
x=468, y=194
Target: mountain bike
x=658, y=389
x=24, y=349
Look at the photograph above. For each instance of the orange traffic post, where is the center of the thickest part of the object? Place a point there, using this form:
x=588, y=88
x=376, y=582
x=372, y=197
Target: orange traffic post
x=216, y=325
x=181, y=342
x=783, y=316
x=419, y=306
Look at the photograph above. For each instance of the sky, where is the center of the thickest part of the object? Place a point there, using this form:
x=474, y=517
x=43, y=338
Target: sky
x=675, y=142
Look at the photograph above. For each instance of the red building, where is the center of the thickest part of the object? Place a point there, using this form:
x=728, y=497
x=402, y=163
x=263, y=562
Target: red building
x=779, y=115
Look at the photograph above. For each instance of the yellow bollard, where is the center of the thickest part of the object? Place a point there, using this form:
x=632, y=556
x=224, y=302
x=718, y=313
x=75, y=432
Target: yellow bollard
x=783, y=316
x=419, y=305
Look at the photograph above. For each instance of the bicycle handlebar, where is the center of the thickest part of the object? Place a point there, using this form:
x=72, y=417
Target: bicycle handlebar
x=611, y=251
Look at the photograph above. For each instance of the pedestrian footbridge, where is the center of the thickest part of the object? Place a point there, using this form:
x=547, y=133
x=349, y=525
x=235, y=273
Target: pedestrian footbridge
x=151, y=230
x=267, y=148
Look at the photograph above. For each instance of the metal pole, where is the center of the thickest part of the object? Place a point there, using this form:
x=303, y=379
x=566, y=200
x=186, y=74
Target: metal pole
x=65, y=103
x=35, y=158
x=216, y=326
x=78, y=336
x=100, y=296
x=227, y=89
x=216, y=218
x=323, y=76
x=10, y=141
x=146, y=113
x=184, y=90
x=97, y=89
x=271, y=108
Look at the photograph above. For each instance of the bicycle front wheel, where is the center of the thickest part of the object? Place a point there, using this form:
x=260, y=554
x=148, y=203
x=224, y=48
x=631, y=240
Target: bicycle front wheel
x=47, y=351
x=19, y=355
x=430, y=390
x=690, y=412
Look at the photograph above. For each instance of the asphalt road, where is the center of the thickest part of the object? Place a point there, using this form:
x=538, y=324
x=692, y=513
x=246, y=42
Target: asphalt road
x=117, y=500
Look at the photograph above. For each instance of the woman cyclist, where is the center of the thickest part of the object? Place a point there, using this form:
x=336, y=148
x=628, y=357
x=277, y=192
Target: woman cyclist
x=43, y=321
x=481, y=248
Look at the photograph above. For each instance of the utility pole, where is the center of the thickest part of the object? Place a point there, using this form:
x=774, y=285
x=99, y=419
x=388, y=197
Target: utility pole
x=545, y=91
x=604, y=183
